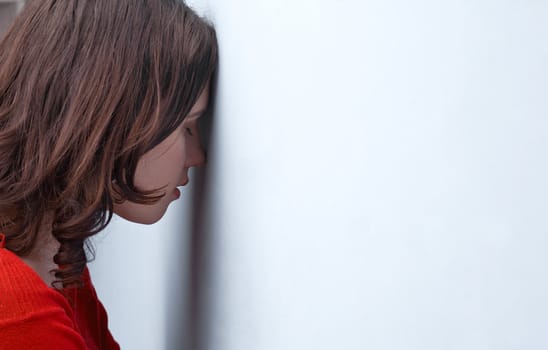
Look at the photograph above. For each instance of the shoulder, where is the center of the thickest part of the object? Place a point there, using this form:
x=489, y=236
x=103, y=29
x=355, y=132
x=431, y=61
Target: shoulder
x=32, y=315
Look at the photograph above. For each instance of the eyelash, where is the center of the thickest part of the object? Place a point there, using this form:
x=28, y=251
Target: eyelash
x=189, y=131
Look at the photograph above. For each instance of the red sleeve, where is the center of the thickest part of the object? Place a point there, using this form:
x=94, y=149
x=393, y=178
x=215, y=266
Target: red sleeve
x=32, y=315
x=44, y=330
x=91, y=317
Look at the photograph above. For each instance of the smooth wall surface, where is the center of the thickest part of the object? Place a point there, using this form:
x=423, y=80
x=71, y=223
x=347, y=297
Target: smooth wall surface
x=377, y=179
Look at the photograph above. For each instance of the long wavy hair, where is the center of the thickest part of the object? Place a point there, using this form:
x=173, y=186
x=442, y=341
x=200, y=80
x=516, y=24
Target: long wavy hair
x=87, y=88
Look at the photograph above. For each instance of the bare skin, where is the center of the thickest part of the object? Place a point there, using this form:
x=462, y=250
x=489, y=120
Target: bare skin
x=41, y=257
x=175, y=156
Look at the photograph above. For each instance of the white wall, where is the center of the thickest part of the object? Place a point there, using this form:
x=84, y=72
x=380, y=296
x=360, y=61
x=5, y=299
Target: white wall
x=377, y=180
x=140, y=275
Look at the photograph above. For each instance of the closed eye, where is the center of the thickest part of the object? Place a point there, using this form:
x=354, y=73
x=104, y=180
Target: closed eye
x=189, y=131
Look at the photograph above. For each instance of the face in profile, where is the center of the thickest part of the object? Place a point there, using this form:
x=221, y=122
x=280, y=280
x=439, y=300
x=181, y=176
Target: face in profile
x=166, y=166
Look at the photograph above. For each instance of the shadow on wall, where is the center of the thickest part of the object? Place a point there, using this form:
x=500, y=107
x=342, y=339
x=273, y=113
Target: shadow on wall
x=190, y=331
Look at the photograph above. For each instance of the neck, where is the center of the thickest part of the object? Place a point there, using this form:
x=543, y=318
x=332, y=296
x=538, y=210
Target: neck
x=40, y=258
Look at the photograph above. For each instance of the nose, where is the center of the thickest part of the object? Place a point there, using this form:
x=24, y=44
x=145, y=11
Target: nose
x=195, y=156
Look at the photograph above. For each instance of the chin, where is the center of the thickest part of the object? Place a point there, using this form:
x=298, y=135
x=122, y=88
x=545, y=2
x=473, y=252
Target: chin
x=141, y=214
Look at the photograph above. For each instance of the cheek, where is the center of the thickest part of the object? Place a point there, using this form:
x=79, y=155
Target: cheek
x=172, y=166
x=150, y=172
x=178, y=152
x=162, y=168
x=176, y=158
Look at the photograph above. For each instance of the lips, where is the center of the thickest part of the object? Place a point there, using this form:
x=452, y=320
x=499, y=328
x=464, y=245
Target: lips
x=176, y=193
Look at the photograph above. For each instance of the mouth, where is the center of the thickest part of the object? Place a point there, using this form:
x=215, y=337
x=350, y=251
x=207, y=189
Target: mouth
x=176, y=193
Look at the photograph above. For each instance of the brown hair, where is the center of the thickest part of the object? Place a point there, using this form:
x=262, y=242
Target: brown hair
x=86, y=88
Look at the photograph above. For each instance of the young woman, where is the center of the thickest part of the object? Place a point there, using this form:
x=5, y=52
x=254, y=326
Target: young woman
x=99, y=103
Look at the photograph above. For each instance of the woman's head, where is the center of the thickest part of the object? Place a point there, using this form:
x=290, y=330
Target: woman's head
x=89, y=91
x=166, y=166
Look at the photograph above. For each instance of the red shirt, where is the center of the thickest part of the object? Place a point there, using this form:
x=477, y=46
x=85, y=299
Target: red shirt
x=36, y=316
